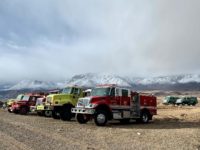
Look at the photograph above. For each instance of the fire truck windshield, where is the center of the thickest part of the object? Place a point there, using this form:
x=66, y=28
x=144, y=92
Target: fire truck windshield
x=26, y=98
x=67, y=90
x=39, y=101
x=100, y=92
x=19, y=97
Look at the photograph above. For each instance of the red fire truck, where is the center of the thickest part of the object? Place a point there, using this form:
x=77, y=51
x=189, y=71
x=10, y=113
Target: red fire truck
x=109, y=102
x=27, y=103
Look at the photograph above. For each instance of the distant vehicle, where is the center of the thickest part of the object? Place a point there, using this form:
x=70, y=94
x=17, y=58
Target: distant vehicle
x=170, y=100
x=109, y=102
x=27, y=104
x=61, y=104
x=187, y=101
x=40, y=105
x=11, y=101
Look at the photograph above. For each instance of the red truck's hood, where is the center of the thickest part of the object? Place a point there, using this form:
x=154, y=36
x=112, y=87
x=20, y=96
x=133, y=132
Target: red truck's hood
x=97, y=98
x=21, y=102
x=86, y=101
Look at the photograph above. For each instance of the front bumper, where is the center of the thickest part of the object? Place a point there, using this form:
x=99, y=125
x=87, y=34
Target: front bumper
x=14, y=108
x=10, y=109
x=40, y=107
x=48, y=107
x=83, y=111
x=179, y=103
x=33, y=108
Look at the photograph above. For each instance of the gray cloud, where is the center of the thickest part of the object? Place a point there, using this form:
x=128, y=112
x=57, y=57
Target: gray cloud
x=53, y=40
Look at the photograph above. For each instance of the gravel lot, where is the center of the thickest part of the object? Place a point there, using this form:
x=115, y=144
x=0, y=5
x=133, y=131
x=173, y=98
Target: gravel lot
x=173, y=128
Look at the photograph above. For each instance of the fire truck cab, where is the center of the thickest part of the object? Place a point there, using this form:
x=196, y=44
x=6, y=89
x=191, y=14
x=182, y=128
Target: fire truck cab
x=27, y=104
x=109, y=102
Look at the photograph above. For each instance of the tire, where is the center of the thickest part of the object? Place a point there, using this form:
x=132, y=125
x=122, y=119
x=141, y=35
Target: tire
x=66, y=114
x=9, y=110
x=23, y=111
x=100, y=118
x=138, y=120
x=145, y=117
x=193, y=104
x=82, y=119
x=124, y=121
x=48, y=113
x=55, y=115
x=15, y=111
x=40, y=113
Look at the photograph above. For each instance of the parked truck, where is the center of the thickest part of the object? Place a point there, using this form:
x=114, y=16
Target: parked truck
x=39, y=107
x=109, y=102
x=27, y=104
x=40, y=104
x=11, y=101
x=61, y=104
x=170, y=100
x=187, y=101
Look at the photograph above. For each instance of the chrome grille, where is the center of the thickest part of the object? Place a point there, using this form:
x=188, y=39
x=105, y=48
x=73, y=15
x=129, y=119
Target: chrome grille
x=83, y=102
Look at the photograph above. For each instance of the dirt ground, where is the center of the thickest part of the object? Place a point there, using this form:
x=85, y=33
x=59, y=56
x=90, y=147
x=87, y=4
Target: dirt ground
x=173, y=128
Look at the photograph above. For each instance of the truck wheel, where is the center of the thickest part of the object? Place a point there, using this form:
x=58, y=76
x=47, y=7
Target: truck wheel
x=193, y=104
x=100, y=118
x=55, y=115
x=124, y=121
x=40, y=113
x=81, y=118
x=66, y=114
x=15, y=111
x=144, y=118
x=23, y=111
x=48, y=113
x=9, y=110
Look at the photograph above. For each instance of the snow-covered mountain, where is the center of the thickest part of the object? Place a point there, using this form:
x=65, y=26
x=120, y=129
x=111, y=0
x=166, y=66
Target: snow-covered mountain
x=93, y=79
x=175, y=82
x=35, y=84
x=175, y=79
x=172, y=83
x=4, y=86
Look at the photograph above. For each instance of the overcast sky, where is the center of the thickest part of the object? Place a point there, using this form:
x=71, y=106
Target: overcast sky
x=56, y=39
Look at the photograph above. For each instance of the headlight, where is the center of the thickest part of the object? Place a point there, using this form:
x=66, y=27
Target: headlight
x=16, y=105
x=91, y=105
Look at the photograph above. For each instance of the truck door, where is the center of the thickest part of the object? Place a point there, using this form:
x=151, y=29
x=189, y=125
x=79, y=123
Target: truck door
x=117, y=96
x=125, y=98
x=32, y=101
x=135, y=103
x=76, y=93
x=112, y=97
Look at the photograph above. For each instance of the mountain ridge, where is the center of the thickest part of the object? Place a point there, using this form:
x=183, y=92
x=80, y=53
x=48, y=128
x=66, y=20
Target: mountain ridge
x=187, y=82
x=93, y=79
